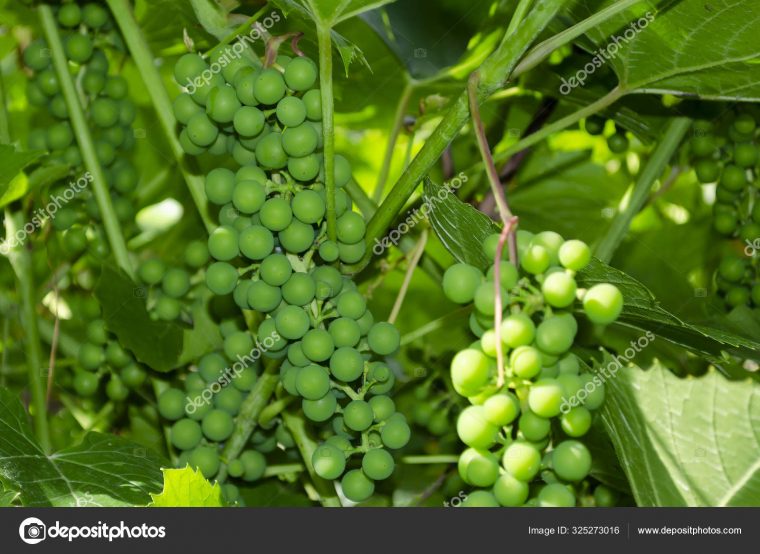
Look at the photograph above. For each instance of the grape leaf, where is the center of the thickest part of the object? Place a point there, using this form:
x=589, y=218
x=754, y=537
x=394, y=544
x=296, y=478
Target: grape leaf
x=187, y=488
x=332, y=12
x=685, y=442
x=13, y=185
x=155, y=343
x=460, y=227
x=211, y=16
x=103, y=470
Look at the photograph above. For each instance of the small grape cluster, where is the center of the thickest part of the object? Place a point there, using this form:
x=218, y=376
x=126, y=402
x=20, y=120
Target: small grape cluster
x=726, y=152
x=617, y=142
x=166, y=302
x=101, y=355
x=87, y=31
x=272, y=253
x=514, y=451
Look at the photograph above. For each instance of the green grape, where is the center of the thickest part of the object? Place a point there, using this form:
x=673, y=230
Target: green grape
x=485, y=298
x=256, y=242
x=196, y=254
x=188, y=146
x=556, y=495
x=37, y=55
x=171, y=404
x=249, y=196
x=536, y=259
x=48, y=82
x=96, y=332
x=248, y=121
x=534, y=427
x=737, y=296
x=292, y=322
x=90, y=356
x=356, y=486
x=474, y=428
x=351, y=253
x=263, y=297
x=517, y=330
x=94, y=16
x=184, y=107
x=116, y=87
x=508, y=275
x=60, y=136
x=345, y=332
x=217, y=425
x=545, y=398
x=460, y=281
x=510, y=491
x=299, y=290
x=105, y=112
x=296, y=237
x=618, y=143
x=382, y=406
x=275, y=270
x=133, y=376
x=501, y=409
x=358, y=415
x=574, y=255
x=299, y=141
x=395, y=433
x=186, y=434
x=254, y=465
x=78, y=48
x=350, y=227
x=300, y=74
x=576, y=422
x=309, y=207
x=329, y=462
x=702, y=145
x=85, y=383
x=276, y=214
x=745, y=155
x=124, y=178
x=525, y=361
x=603, y=303
x=733, y=178
x=707, y=170
x=269, y=87
x=291, y=111
x=383, y=338
x=167, y=308
x=342, y=171
x=554, y=335
x=745, y=124
x=221, y=278
x=604, y=497
x=176, y=283
x=571, y=460
x=313, y=382
x=238, y=344
x=313, y=102
x=222, y=104
x=321, y=409
x=346, y=364
x=151, y=272
x=223, y=243
x=594, y=125
x=305, y=168
x=522, y=460
x=732, y=269
x=201, y=130
x=378, y=464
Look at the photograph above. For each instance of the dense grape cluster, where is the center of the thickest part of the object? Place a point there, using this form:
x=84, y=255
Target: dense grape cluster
x=516, y=456
x=726, y=152
x=271, y=252
x=109, y=112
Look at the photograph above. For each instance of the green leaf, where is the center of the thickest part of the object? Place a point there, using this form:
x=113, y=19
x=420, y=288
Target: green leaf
x=460, y=227
x=704, y=49
x=13, y=185
x=331, y=12
x=211, y=16
x=103, y=470
x=8, y=499
x=187, y=488
x=203, y=337
x=157, y=344
x=642, y=310
x=685, y=442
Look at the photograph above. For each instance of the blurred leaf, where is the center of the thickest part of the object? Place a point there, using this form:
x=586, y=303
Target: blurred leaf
x=8, y=498
x=331, y=12
x=273, y=493
x=212, y=17
x=187, y=488
x=154, y=16
x=103, y=470
x=460, y=227
x=13, y=185
x=156, y=344
x=203, y=337
x=47, y=175
x=605, y=466
x=685, y=442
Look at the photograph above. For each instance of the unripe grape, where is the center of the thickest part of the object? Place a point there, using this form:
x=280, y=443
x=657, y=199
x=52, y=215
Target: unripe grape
x=603, y=303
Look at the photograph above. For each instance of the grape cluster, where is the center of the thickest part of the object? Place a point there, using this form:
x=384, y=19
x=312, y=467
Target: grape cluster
x=168, y=286
x=726, y=152
x=109, y=112
x=271, y=252
x=617, y=142
x=515, y=455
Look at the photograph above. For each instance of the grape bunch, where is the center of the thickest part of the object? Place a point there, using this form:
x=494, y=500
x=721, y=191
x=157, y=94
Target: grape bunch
x=272, y=253
x=617, y=142
x=87, y=33
x=515, y=455
x=169, y=286
x=726, y=152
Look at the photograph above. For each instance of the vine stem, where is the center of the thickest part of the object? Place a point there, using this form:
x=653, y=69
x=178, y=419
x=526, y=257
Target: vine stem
x=324, y=41
x=507, y=231
x=84, y=138
x=674, y=134
x=413, y=262
x=250, y=411
x=398, y=121
x=432, y=459
x=283, y=469
x=143, y=59
x=544, y=49
x=607, y=100
x=306, y=446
